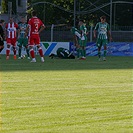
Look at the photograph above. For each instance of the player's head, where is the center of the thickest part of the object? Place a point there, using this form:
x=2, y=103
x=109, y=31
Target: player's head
x=11, y=20
x=23, y=19
x=81, y=21
x=2, y=22
x=33, y=13
x=103, y=19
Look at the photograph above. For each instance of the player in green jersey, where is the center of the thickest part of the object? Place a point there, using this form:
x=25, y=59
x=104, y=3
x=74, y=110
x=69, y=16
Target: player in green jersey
x=76, y=38
x=22, y=38
x=103, y=30
x=83, y=40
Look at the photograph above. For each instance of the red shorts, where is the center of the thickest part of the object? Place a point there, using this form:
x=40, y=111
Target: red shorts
x=11, y=41
x=34, y=40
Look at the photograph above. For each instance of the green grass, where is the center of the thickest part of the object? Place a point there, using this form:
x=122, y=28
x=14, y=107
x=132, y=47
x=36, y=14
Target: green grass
x=66, y=96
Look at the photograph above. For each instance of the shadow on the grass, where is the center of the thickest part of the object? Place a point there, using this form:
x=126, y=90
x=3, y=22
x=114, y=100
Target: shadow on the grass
x=91, y=63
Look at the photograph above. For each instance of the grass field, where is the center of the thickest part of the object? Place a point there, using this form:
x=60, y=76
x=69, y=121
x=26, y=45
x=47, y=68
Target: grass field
x=66, y=96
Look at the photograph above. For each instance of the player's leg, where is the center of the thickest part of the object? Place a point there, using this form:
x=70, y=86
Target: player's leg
x=78, y=52
x=77, y=45
x=13, y=43
x=77, y=49
x=37, y=42
x=40, y=52
x=1, y=45
x=27, y=51
x=25, y=44
x=20, y=47
x=84, y=47
x=31, y=43
x=8, y=42
x=81, y=49
x=8, y=51
x=32, y=53
x=99, y=45
x=105, y=49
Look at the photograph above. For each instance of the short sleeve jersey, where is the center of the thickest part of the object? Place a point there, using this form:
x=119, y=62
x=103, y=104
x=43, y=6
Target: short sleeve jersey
x=34, y=25
x=11, y=30
x=22, y=27
x=84, y=29
x=102, y=29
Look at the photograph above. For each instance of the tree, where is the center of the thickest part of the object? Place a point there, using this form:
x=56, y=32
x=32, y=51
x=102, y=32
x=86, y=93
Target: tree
x=5, y=6
x=90, y=10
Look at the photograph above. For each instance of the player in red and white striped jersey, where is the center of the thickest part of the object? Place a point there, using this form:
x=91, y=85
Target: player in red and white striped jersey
x=35, y=26
x=11, y=37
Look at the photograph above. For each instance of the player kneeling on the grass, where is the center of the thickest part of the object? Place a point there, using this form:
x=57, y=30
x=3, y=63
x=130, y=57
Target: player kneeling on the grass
x=35, y=26
x=102, y=37
x=22, y=38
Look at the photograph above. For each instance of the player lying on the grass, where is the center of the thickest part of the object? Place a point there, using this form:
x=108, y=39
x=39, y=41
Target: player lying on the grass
x=103, y=29
x=62, y=53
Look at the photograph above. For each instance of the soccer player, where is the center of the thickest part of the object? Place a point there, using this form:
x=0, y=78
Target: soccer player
x=1, y=35
x=11, y=37
x=62, y=53
x=22, y=38
x=76, y=37
x=83, y=32
x=35, y=26
x=102, y=37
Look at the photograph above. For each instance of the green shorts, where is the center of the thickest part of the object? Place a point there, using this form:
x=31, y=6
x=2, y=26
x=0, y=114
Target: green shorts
x=101, y=42
x=22, y=42
x=83, y=42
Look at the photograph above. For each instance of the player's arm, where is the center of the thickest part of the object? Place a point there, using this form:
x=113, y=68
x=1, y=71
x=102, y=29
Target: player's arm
x=42, y=28
x=95, y=30
x=94, y=33
x=110, y=36
x=1, y=34
x=17, y=27
x=19, y=31
x=75, y=40
x=27, y=30
x=81, y=31
x=5, y=31
x=1, y=38
x=109, y=33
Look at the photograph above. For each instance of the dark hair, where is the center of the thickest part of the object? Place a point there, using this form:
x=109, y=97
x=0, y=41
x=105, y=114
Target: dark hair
x=34, y=13
x=103, y=17
x=2, y=21
x=82, y=20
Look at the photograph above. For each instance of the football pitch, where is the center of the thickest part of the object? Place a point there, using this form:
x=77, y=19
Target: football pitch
x=66, y=96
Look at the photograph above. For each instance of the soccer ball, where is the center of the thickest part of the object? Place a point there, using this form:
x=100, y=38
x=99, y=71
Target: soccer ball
x=22, y=56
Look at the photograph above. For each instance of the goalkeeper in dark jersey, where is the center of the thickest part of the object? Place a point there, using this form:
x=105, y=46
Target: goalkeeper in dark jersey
x=62, y=53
